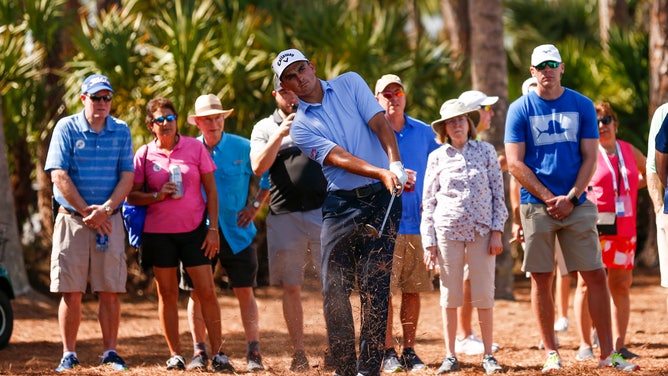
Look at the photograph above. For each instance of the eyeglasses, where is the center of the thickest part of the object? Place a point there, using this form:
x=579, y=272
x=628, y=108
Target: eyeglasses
x=97, y=98
x=390, y=94
x=161, y=119
x=487, y=108
x=551, y=64
x=605, y=120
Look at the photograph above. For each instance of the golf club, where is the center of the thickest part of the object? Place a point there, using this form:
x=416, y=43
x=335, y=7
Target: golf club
x=372, y=230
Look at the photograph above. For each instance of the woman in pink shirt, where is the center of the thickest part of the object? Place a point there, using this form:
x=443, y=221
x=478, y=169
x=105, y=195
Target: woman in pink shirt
x=175, y=230
x=620, y=172
x=462, y=223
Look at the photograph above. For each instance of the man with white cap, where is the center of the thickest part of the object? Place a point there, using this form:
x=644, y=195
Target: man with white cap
x=90, y=163
x=231, y=154
x=340, y=124
x=409, y=276
x=298, y=189
x=480, y=100
x=551, y=142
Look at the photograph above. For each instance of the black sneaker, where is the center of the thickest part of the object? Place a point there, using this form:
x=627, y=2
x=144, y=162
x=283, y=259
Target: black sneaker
x=198, y=362
x=450, y=364
x=176, y=362
x=221, y=363
x=254, y=361
x=115, y=361
x=411, y=361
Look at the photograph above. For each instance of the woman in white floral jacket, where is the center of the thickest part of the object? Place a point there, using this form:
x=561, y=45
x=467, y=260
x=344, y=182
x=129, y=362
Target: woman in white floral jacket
x=462, y=223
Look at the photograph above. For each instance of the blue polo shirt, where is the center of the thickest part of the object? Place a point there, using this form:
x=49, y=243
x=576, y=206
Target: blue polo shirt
x=341, y=119
x=416, y=140
x=233, y=176
x=94, y=161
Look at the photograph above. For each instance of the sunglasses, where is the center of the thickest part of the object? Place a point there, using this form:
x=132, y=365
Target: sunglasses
x=551, y=64
x=605, y=120
x=487, y=108
x=390, y=94
x=161, y=119
x=97, y=98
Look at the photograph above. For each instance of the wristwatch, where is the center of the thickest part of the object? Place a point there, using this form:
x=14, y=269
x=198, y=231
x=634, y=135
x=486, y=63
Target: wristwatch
x=256, y=204
x=573, y=199
x=108, y=210
x=155, y=195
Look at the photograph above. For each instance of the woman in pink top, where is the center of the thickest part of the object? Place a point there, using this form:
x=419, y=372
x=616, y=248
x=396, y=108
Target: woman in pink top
x=462, y=223
x=620, y=172
x=175, y=230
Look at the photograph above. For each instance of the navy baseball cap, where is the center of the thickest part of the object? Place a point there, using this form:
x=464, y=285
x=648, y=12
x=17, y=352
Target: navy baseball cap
x=94, y=83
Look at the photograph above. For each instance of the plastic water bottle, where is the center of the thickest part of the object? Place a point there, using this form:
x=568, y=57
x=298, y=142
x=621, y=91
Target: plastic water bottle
x=101, y=242
x=175, y=177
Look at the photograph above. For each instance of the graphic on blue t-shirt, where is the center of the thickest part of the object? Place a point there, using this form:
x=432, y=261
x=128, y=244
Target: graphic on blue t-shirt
x=554, y=128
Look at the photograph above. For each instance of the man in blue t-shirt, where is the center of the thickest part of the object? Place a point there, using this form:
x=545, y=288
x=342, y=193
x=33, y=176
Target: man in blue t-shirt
x=551, y=142
x=340, y=125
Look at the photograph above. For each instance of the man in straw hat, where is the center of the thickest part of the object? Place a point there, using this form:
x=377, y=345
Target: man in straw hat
x=340, y=124
x=231, y=154
x=551, y=144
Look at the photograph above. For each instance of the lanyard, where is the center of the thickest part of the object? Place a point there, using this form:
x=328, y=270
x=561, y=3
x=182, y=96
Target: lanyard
x=622, y=168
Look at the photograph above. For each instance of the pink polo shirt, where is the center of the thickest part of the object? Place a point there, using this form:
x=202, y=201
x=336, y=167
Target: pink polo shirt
x=175, y=215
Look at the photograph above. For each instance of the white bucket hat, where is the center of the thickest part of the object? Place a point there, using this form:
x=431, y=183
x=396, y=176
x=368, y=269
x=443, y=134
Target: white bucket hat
x=451, y=109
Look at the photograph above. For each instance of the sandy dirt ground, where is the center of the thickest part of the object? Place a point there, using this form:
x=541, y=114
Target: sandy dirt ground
x=35, y=347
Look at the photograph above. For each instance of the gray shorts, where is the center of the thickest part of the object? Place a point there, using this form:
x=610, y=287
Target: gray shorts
x=576, y=233
x=290, y=239
x=75, y=260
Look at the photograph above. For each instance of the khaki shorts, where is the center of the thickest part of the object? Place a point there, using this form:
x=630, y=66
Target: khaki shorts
x=576, y=233
x=409, y=274
x=75, y=261
x=453, y=256
x=291, y=237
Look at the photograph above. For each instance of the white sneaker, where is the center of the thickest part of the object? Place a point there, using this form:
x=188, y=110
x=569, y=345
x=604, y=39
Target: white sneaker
x=472, y=345
x=561, y=325
x=616, y=361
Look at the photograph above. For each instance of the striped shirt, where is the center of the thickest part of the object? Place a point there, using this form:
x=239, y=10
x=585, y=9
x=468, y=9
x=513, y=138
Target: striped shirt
x=94, y=161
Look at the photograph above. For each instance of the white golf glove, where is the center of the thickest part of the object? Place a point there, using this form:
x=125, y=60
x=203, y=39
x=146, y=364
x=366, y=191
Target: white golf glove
x=398, y=169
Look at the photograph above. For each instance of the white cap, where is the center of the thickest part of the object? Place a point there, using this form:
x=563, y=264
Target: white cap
x=386, y=80
x=545, y=52
x=284, y=59
x=473, y=99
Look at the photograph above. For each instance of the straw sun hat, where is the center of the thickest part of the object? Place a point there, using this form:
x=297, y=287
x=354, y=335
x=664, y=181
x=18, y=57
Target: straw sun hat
x=206, y=105
x=451, y=109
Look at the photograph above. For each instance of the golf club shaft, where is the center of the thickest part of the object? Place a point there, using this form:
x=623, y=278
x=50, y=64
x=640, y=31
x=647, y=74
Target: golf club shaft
x=387, y=213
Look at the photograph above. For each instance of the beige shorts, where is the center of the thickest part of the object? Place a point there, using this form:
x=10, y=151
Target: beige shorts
x=576, y=234
x=452, y=258
x=409, y=274
x=75, y=260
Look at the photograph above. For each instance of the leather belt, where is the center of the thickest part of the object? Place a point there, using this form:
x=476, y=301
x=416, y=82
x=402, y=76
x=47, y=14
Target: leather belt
x=77, y=214
x=363, y=191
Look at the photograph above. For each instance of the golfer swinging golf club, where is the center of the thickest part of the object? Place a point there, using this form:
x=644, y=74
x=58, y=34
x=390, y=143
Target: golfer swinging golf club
x=340, y=125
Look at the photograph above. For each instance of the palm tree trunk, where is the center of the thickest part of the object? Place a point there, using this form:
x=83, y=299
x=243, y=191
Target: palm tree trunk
x=11, y=252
